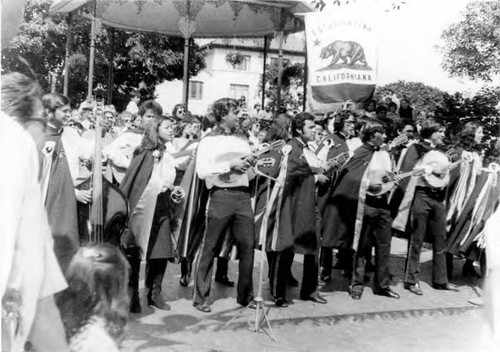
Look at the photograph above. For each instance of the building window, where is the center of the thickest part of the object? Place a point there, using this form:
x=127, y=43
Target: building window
x=236, y=91
x=244, y=64
x=196, y=90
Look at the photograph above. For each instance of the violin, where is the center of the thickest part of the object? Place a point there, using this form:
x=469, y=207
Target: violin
x=105, y=217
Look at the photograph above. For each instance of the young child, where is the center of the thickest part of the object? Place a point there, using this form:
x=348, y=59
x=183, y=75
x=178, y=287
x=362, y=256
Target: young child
x=95, y=305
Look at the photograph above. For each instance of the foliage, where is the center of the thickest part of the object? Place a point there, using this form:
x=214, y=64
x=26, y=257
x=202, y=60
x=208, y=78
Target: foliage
x=472, y=45
x=292, y=83
x=483, y=106
x=139, y=59
x=422, y=97
x=390, y=4
x=456, y=109
x=235, y=59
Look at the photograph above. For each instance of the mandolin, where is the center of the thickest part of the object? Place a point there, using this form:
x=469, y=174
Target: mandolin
x=439, y=160
x=389, y=184
x=227, y=177
x=335, y=162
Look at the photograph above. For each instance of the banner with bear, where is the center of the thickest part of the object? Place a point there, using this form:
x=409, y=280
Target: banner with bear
x=341, y=57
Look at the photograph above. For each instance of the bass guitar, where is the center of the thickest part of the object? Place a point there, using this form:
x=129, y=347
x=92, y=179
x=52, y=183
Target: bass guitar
x=104, y=219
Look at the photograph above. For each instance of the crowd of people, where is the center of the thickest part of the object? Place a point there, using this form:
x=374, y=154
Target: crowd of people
x=201, y=189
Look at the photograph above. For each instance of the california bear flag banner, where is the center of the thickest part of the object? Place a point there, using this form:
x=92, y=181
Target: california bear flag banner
x=341, y=56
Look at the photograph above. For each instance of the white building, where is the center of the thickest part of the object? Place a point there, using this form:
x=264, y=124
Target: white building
x=221, y=79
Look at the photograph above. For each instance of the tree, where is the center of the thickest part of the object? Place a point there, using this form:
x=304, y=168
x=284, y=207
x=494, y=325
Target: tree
x=472, y=46
x=483, y=106
x=292, y=83
x=139, y=59
x=422, y=97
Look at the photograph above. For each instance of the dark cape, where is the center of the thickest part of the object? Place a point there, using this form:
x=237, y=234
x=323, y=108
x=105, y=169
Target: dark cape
x=298, y=228
x=263, y=188
x=415, y=152
x=338, y=140
x=340, y=211
x=133, y=185
x=60, y=203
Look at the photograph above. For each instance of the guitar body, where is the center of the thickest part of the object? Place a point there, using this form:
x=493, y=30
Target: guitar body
x=114, y=213
x=437, y=159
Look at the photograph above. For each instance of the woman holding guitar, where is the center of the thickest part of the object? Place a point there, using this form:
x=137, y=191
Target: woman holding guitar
x=424, y=198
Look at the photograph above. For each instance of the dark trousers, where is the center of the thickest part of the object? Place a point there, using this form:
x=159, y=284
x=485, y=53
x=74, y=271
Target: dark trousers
x=226, y=208
x=310, y=275
x=376, y=231
x=280, y=264
x=155, y=271
x=428, y=214
x=220, y=272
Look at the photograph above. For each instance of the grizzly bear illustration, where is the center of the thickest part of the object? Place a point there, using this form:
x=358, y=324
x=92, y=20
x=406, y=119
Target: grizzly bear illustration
x=345, y=51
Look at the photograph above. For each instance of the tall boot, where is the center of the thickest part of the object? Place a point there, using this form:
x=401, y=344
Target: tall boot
x=155, y=270
x=133, y=283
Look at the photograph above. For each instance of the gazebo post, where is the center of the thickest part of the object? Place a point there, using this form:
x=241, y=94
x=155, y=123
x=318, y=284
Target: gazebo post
x=69, y=20
x=185, y=78
x=264, y=73
x=280, y=60
x=92, y=52
x=110, y=63
x=306, y=72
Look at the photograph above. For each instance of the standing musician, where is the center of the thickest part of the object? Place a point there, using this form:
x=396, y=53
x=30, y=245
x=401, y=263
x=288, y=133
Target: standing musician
x=223, y=161
x=361, y=213
x=58, y=193
x=148, y=185
x=120, y=152
x=471, y=189
x=424, y=204
x=266, y=199
x=192, y=211
x=333, y=146
x=298, y=217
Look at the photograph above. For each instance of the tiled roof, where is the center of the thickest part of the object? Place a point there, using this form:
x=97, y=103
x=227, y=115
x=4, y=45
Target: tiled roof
x=293, y=43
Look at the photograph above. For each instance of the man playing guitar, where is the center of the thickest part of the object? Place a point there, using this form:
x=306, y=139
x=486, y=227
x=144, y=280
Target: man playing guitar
x=423, y=203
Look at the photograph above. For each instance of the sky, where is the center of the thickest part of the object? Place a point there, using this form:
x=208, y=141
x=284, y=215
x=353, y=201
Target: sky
x=408, y=40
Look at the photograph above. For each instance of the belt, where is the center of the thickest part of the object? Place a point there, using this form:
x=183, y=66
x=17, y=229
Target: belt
x=231, y=189
x=429, y=189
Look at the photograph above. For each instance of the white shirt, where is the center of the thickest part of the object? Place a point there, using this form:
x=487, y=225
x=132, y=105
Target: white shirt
x=121, y=150
x=76, y=149
x=214, y=156
x=27, y=260
x=132, y=107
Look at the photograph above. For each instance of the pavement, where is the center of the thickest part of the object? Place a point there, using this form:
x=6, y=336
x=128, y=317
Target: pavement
x=437, y=321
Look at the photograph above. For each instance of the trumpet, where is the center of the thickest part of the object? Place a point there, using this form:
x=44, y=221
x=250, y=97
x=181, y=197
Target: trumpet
x=177, y=194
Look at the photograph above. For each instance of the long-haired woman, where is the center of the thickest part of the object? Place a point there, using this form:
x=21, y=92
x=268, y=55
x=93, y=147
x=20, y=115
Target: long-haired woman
x=466, y=191
x=148, y=185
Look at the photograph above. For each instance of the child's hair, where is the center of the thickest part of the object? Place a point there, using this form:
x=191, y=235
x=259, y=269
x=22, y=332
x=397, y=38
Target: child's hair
x=98, y=279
